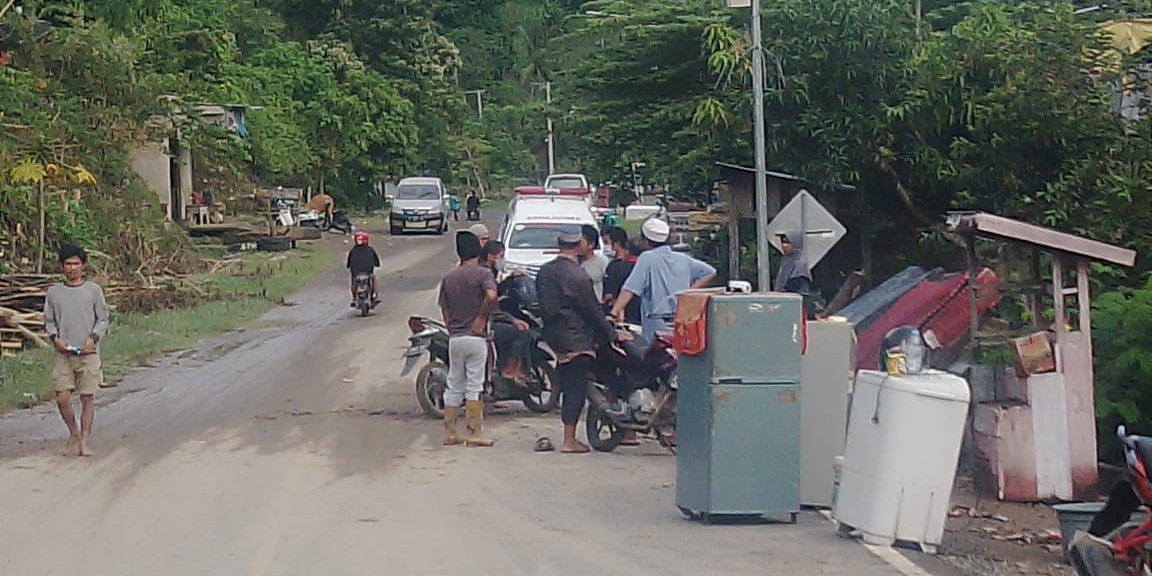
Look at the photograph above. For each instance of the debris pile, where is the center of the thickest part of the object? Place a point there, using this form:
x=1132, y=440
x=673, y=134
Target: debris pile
x=22, y=311
x=22, y=304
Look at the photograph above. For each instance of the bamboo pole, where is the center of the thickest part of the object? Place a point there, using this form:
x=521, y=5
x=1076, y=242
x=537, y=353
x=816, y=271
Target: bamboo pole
x=40, y=233
x=6, y=7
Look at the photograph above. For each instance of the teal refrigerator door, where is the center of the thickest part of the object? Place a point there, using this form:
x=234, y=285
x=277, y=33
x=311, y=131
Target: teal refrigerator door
x=755, y=338
x=739, y=449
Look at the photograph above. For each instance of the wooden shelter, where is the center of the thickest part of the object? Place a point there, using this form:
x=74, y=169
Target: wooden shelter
x=1039, y=442
x=738, y=191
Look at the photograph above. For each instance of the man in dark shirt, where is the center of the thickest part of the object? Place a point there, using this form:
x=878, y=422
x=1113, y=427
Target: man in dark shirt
x=362, y=259
x=467, y=296
x=574, y=324
x=618, y=271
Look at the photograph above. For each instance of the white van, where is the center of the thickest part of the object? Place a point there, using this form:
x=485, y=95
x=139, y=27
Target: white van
x=530, y=229
x=419, y=204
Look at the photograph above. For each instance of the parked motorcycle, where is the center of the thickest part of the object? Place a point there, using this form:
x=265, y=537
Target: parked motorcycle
x=363, y=290
x=649, y=370
x=313, y=219
x=1113, y=545
x=539, y=394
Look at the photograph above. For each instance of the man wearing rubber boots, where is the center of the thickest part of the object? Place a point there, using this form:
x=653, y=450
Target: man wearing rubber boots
x=467, y=297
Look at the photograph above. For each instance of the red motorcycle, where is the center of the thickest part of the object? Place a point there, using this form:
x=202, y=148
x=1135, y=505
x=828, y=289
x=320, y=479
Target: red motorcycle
x=648, y=369
x=1114, y=546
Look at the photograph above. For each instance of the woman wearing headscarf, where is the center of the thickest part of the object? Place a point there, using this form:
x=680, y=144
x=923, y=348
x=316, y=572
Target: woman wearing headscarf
x=795, y=275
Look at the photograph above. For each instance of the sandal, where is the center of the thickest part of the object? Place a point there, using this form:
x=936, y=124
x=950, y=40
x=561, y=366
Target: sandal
x=544, y=445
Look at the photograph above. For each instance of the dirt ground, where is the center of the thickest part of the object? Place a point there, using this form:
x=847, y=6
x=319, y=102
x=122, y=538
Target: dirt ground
x=987, y=537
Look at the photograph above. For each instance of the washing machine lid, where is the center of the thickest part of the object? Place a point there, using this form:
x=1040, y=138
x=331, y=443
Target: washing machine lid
x=930, y=384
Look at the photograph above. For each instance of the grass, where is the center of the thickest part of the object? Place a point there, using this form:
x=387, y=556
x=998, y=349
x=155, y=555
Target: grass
x=246, y=288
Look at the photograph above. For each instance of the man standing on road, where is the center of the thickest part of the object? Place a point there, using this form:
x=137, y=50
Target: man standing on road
x=659, y=274
x=618, y=271
x=480, y=231
x=454, y=206
x=467, y=296
x=596, y=265
x=472, y=203
x=574, y=324
x=76, y=318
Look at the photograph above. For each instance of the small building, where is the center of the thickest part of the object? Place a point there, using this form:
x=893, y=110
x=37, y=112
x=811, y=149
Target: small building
x=1036, y=441
x=165, y=165
x=737, y=189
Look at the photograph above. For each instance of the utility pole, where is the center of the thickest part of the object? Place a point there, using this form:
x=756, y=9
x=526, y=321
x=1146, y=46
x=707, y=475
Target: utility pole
x=919, y=17
x=551, y=143
x=762, y=246
x=549, y=140
x=479, y=100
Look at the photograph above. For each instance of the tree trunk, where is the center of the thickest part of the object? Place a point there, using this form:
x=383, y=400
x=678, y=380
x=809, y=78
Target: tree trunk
x=475, y=171
x=40, y=232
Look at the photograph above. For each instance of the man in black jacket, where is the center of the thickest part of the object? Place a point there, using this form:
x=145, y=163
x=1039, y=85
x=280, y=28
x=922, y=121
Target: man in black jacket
x=574, y=324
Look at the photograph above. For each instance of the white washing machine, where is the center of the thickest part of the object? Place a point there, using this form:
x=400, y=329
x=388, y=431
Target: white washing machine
x=904, y=437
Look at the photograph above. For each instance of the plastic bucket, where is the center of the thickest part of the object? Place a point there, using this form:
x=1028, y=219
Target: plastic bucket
x=1073, y=517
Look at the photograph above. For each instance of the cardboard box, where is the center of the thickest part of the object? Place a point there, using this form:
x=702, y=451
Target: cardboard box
x=1033, y=354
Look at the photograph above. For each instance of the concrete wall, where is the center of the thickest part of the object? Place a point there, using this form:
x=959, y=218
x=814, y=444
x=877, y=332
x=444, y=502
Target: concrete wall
x=151, y=162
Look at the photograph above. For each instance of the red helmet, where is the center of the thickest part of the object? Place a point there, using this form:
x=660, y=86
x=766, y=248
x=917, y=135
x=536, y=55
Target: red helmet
x=361, y=238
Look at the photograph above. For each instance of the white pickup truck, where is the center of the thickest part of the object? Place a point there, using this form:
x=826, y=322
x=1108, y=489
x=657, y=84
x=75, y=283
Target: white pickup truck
x=566, y=182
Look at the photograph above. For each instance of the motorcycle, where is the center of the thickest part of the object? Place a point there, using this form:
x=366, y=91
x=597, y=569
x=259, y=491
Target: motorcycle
x=314, y=219
x=539, y=392
x=1113, y=545
x=363, y=290
x=649, y=370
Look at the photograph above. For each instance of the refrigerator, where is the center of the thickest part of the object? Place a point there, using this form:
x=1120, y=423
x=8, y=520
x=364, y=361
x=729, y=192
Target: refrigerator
x=738, y=410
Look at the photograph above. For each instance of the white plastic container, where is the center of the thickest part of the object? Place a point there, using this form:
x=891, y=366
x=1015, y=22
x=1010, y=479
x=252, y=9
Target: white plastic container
x=904, y=437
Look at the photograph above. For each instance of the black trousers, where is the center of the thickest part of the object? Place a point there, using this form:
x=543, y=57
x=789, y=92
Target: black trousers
x=510, y=343
x=573, y=376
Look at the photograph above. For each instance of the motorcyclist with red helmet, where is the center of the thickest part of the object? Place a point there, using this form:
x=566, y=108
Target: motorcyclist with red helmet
x=362, y=259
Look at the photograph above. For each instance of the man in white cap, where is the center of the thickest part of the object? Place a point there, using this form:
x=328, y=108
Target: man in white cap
x=660, y=274
x=480, y=231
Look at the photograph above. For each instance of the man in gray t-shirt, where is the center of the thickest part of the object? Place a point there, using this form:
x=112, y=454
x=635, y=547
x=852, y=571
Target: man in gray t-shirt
x=76, y=318
x=467, y=296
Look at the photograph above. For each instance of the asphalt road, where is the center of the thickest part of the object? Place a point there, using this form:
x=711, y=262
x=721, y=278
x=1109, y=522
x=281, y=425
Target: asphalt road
x=294, y=448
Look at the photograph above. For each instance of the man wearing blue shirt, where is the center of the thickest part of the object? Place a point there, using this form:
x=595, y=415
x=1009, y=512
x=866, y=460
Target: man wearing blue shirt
x=660, y=274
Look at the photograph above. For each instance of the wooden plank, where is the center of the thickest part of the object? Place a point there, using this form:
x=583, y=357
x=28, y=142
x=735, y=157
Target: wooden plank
x=1015, y=231
x=734, y=248
x=1084, y=300
x=1047, y=395
x=1061, y=317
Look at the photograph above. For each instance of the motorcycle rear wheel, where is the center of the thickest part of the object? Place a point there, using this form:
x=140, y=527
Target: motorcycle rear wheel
x=430, y=394
x=548, y=398
x=603, y=433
